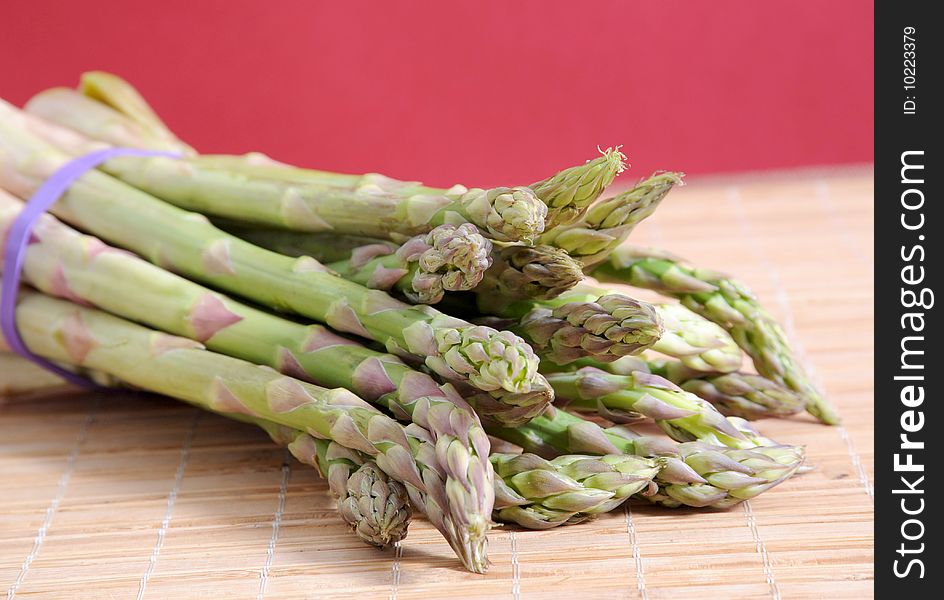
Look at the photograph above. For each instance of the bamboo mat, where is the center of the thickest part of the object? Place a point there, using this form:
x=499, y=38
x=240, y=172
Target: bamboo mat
x=131, y=497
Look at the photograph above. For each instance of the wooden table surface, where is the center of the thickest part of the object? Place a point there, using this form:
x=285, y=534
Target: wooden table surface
x=131, y=497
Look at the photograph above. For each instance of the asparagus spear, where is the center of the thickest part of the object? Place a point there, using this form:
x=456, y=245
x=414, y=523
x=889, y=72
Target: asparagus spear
x=578, y=324
x=188, y=244
x=448, y=258
x=516, y=271
x=530, y=491
x=375, y=208
x=625, y=398
x=695, y=473
x=728, y=303
x=735, y=394
x=609, y=222
x=376, y=507
x=699, y=344
x=541, y=494
x=569, y=192
x=183, y=369
x=62, y=262
x=521, y=272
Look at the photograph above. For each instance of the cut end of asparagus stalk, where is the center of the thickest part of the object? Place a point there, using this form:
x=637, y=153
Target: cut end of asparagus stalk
x=613, y=326
x=569, y=192
x=505, y=214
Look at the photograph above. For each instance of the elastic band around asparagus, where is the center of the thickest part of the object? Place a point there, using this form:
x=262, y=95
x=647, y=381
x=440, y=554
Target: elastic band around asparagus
x=188, y=244
x=183, y=369
x=728, y=303
x=694, y=473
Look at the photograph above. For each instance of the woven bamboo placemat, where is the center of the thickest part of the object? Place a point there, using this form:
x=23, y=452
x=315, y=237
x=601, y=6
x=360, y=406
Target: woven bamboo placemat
x=131, y=497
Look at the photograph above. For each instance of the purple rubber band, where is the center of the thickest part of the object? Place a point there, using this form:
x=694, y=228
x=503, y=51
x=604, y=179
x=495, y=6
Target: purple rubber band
x=18, y=239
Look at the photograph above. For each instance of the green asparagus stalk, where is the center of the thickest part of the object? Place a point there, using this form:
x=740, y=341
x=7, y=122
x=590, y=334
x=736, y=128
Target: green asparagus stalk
x=609, y=222
x=745, y=395
x=183, y=369
x=64, y=263
x=66, y=108
x=516, y=271
x=569, y=192
x=626, y=398
x=699, y=344
x=578, y=324
x=448, y=258
x=728, y=303
x=188, y=244
x=375, y=209
x=541, y=494
x=694, y=474
x=522, y=272
x=530, y=491
x=736, y=394
x=375, y=507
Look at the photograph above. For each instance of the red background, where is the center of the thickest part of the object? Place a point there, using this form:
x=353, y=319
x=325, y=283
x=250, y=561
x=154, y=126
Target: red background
x=479, y=92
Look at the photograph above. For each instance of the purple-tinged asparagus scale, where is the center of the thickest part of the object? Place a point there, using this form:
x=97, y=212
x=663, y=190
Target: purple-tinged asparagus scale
x=540, y=494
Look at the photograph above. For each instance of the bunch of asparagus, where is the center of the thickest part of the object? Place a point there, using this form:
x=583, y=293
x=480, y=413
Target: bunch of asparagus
x=302, y=302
